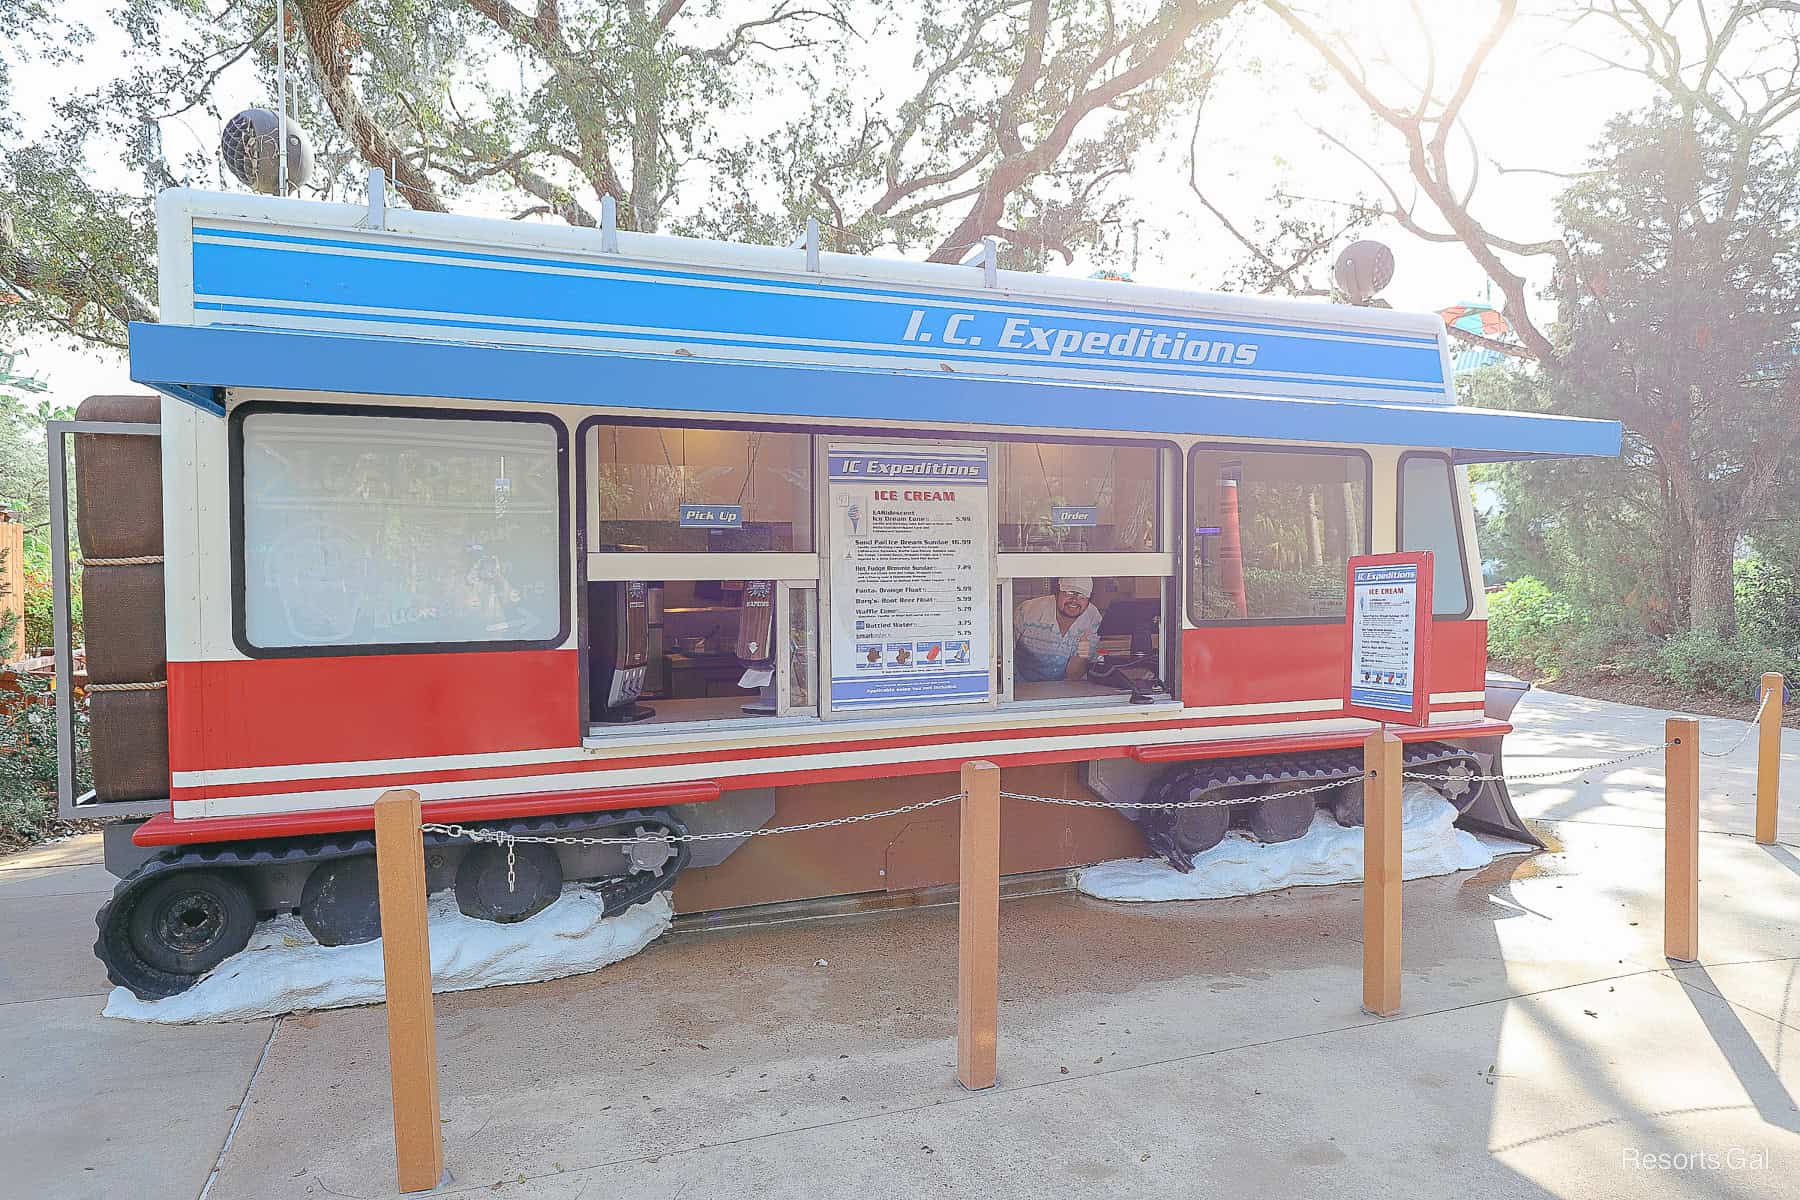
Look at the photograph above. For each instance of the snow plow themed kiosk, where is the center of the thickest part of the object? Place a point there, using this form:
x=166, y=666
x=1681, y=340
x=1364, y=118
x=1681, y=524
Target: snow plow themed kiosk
x=579, y=530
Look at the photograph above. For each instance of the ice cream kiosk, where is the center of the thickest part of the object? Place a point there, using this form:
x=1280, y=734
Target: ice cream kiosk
x=580, y=529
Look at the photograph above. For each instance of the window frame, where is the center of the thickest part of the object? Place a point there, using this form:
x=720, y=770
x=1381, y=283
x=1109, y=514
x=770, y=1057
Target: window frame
x=1171, y=507
x=1161, y=541
x=1462, y=545
x=235, y=478
x=1187, y=540
x=1164, y=563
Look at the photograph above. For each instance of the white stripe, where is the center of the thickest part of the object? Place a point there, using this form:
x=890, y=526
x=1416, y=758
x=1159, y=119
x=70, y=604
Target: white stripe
x=1402, y=341
x=1453, y=697
x=681, y=739
x=230, y=806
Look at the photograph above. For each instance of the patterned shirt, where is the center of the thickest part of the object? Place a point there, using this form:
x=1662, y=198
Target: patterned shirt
x=1044, y=650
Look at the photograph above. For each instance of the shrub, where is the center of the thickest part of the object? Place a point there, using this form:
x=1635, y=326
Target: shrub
x=40, y=627
x=1529, y=625
x=1705, y=662
x=1768, y=602
x=28, y=755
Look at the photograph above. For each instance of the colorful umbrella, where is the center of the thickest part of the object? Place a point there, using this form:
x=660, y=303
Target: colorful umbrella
x=1480, y=319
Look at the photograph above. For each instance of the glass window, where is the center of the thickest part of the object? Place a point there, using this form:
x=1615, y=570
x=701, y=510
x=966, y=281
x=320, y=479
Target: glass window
x=1087, y=637
x=1272, y=533
x=393, y=531
x=1060, y=497
x=673, y=490
x=1431, y=519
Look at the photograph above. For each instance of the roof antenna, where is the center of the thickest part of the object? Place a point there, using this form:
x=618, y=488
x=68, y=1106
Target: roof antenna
x=281, y=115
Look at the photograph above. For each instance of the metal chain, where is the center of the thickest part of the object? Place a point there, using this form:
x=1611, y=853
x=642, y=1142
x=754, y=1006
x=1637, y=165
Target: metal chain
x=1220, y=802
x=1611, y=762
x=501, y=837
x=1748, y=730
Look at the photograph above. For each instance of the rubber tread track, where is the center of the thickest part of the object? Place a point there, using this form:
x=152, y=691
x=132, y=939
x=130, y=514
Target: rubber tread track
x=123, y=967
x=1273, y=772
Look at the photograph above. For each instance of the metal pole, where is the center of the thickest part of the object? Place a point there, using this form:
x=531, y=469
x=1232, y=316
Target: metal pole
x=59, y=609
x=281, y=91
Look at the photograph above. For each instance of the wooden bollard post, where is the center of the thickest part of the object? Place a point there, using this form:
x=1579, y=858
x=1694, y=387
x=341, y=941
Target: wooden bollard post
x=978, y=927
x=406, y=956
x=1681, y=840
x=1768, y=758
x=1381, y=874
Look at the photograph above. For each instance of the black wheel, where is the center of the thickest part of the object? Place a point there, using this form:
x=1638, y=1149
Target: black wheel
x=483, y=892
x=1200, y=829
x=160, y=939
x=1347, y=804
x=1281, y=820
x=341, y=902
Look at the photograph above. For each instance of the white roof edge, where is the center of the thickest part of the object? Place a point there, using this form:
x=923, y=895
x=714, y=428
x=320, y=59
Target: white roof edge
x=463, y=230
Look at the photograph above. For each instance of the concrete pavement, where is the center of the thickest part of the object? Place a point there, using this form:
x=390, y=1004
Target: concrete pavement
x=1544, y=1047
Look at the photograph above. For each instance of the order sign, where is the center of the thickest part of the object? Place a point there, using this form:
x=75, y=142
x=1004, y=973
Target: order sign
x=1390, y=638
x=911, y=588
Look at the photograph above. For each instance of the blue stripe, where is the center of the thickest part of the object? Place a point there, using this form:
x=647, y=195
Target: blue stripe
x=447, y=287
x=940, y=298
x=189, y=361
x=933, y=354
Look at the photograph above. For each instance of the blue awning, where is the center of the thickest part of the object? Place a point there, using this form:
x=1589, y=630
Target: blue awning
x=195, y=363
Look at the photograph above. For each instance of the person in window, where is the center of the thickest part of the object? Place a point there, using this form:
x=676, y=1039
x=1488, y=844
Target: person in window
x=1055, y=634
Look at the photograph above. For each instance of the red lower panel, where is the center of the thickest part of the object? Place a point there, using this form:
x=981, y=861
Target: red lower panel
x=165, y=830
x=1459, y=656
x=1263, y=664
x=276, y=711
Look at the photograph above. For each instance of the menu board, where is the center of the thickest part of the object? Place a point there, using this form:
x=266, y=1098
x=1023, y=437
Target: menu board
x=911, y=582
x=1390, y=628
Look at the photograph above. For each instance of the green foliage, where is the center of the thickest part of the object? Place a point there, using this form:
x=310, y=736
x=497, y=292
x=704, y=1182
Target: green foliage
x=39, y=619
x=1529, y=625
x=1537, y=630
x=1698, y=661
x=1768, y=602
x=9, y=620
x=28, y=755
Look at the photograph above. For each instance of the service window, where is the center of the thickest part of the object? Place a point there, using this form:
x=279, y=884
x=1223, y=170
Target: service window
x=701, y=588
x=1431, y=519
x=1086, y=576
x=676, y=490
x=366, y=533
x=1271, y=533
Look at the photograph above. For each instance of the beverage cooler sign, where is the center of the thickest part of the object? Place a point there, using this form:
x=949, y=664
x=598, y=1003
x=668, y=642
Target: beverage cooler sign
x=1390, y=637
x=911, y=587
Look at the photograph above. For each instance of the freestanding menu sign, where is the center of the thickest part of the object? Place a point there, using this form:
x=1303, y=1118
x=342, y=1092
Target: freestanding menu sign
x=911, y=581
x=1390, y=638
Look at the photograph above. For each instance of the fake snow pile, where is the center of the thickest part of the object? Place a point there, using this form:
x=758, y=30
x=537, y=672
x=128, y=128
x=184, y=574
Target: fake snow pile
x=1430, y=844
x=283, y=970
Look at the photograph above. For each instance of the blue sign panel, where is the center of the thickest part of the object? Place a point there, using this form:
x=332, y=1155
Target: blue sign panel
x=712, y=516
x=1064, y=515
x=1383, y=648
x=436, y=292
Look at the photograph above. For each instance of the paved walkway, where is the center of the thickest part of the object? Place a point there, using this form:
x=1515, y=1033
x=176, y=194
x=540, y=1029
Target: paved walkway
x=1545, y=1047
